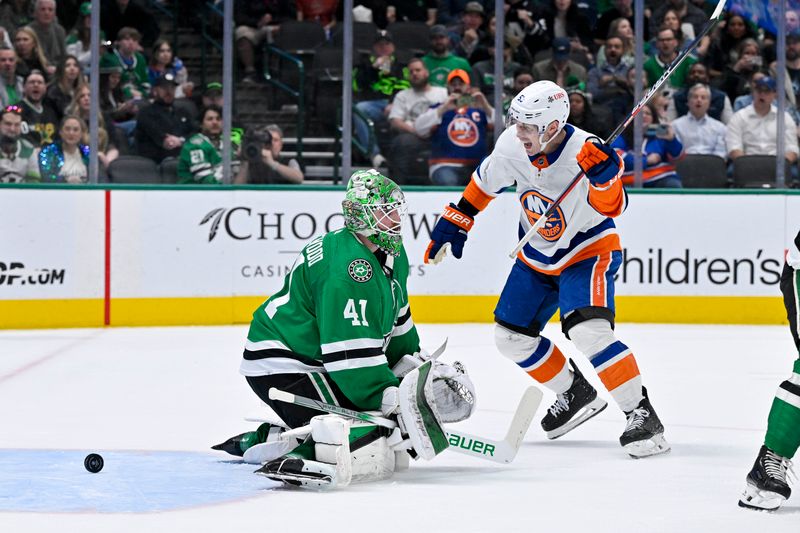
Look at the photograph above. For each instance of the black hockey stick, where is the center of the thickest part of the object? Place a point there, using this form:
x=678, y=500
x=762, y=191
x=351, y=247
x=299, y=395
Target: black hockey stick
x=715, y=17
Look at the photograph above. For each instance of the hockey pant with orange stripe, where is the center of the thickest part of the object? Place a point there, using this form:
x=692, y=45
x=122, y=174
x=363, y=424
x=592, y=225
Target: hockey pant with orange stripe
x=584, y=292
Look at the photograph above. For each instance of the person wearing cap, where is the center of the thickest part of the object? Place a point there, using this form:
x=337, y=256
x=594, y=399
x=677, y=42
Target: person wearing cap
x=458, y=129
x=754, y=129
x=133, y=63
x=470, y=32
x=212, y=95
x=376, y=80
x=78, y=41
x=407, y=105
x=667, y=51
x=118, y=14
x=441, y=60
x=559, y=67
x=411, y=11
x=161, y=127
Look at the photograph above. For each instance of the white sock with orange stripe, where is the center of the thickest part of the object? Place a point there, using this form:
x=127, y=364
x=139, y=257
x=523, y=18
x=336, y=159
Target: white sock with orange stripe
x=612, y=360
x=537, y=356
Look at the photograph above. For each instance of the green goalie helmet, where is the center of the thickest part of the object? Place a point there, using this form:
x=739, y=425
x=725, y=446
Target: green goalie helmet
x=374, y=206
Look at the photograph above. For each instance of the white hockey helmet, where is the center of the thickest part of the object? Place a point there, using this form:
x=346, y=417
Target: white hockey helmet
x=539, y=104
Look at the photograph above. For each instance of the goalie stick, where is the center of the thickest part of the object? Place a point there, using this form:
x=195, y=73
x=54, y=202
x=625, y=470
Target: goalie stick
x=715, y=17
x=499, y=451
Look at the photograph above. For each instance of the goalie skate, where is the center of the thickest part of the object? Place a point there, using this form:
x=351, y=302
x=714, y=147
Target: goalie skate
x=573, y=407
x=644, y=433
x=767, y=487
x=303, y=473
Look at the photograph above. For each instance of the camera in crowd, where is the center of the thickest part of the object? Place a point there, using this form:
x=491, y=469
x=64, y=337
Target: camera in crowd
x=254, y=141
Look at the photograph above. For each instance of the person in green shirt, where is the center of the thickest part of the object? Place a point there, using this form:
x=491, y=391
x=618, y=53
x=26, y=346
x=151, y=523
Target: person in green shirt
x=200, y=160
x=10, y=83
x=132, y=62
x=441, y=60
x=340, y=329
x=667, y=45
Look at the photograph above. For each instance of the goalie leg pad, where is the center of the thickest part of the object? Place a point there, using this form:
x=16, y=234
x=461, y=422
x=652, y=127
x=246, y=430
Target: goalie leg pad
x=418, y=414
x=331, y=436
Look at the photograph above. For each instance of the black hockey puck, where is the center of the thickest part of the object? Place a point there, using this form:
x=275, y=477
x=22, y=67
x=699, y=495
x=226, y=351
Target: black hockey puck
x=93, y=463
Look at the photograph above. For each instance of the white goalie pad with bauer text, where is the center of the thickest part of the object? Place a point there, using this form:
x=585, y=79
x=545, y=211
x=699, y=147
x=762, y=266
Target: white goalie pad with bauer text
x=418, y=416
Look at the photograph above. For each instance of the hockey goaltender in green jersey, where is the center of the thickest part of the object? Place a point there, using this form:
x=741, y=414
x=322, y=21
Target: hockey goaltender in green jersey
x=340, y=331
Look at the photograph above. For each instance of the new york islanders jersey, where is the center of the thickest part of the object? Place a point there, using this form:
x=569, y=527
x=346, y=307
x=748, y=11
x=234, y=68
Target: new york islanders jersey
x=581, y=226
x=340, y=311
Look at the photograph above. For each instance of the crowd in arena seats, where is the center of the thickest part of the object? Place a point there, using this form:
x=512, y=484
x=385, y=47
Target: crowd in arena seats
x=423, y=85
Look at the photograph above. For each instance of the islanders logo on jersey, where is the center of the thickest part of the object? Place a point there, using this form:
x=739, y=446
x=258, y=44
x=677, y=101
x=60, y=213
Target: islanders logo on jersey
x=360, y=270
x=534, y=204
x=462, y=131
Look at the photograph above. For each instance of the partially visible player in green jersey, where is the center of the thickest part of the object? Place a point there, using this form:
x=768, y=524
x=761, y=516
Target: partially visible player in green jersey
x=767, y=486
x=340, y=331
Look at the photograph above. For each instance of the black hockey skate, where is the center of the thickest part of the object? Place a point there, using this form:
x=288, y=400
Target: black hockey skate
x=767, y=487
x=299, y=472
x=644, y=434
x=573, y=407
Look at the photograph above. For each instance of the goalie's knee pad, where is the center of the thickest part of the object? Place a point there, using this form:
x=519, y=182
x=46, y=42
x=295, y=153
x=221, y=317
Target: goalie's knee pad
x=515, y=346
x=592, y=336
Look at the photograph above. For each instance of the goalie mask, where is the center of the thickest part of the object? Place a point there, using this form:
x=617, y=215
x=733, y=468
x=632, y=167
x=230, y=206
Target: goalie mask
x=537, y=106
x=374, y=206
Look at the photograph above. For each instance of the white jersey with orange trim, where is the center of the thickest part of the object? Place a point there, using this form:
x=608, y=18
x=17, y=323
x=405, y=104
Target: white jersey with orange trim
x=581, y=226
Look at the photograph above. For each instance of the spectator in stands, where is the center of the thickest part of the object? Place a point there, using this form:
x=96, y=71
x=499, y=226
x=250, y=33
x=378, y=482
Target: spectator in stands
x=691, y=18
x=16, y=14
x=684, y=33
x=65, y=83
x=458, y=128
x=584, y=116
x=118, y=14
x=378, y=77
x=522, y=78
x=607, y=77
x=78, y=41
x=10, y=82
x=18, y=161
x=261, y=158
x=620, y=28
x=38, y=112
x=720, y=105
x=132, y=62
x=519, y=53
x=66, y=159
x=753, y=130
x=212, y=95
x=659, y=150
x=322, y=11
x=256, y=21
x=746, y=99
x=792, y=70
x=162, y=60
x=563, y=19
x=470, y=32
x=449, y=12
x=408, y=104
x=559, y=68
x=162, y=128
x=107, y=139
x=200, y=160
x=697, y=131
x=411, y=11
x=621, y=9
x=117, y=103
x=724, y=49
x=483, y=71
x=52, y=36
x=748, y=60
x=667, y=46
x=440, y=60
x=29, y=53
x=524, y=23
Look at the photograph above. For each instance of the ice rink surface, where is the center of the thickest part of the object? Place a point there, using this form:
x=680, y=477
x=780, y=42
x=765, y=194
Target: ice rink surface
x=152, y=401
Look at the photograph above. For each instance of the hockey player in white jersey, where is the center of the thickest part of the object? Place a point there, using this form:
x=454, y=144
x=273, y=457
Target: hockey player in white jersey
x=568, y=265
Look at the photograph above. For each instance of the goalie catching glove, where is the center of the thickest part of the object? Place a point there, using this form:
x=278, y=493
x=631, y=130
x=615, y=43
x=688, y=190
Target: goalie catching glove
x=450, y=231
x=453, y=390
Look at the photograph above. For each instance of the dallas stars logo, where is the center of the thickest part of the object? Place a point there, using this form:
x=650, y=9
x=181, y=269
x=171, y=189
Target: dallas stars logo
x=360, y=270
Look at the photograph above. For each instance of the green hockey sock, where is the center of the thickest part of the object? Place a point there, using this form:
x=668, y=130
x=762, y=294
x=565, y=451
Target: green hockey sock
x=783, y=427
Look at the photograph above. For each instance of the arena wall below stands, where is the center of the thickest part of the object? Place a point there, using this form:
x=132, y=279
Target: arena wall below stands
x=142, y=256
